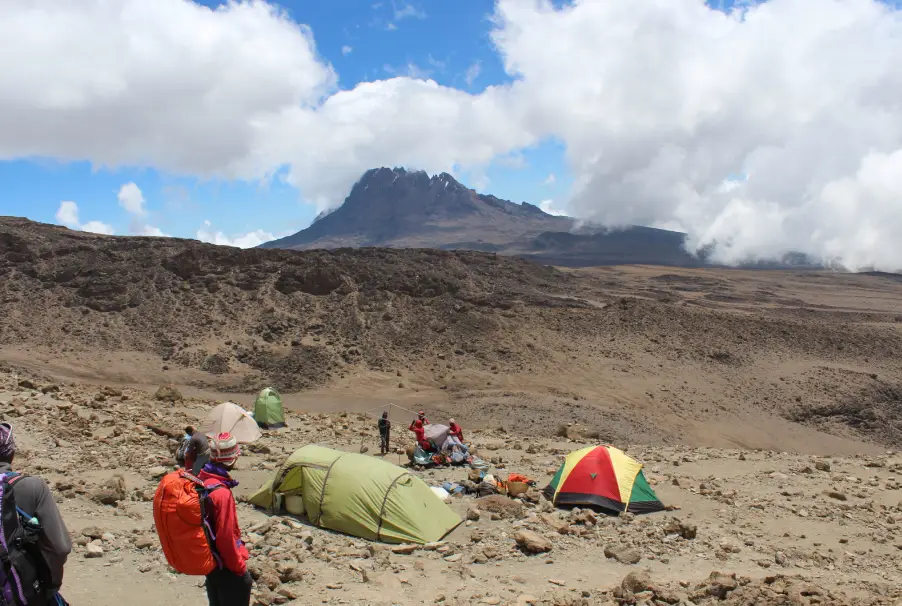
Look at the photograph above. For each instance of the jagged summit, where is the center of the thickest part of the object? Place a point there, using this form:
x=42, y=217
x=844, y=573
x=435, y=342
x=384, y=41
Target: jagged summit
x=400, y=208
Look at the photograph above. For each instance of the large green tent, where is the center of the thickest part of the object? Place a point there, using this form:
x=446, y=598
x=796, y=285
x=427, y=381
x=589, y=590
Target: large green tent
x=268, y=411
x=359, y=495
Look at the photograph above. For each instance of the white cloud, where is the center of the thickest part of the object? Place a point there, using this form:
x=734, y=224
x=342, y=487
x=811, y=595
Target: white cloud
x=551, y=208
x=248, y=240
x=131, y=199
x=406, y=10
x=657, y=102
x=347, y=50
x=472, y=73
x=550, y=180
x=67, y=214
x=97, y=227
x=150, y=230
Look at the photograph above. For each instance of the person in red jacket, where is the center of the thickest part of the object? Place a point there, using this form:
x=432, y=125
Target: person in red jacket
x=229, y=585
x=421, y=416
x=417, y=428
x=455, y=430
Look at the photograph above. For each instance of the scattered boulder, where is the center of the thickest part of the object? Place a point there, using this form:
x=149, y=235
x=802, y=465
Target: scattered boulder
x=636, y=582
x=503, y=506
x=686, y=530
x=112, y=492
x=531, y=542
x=473, y=514
x=168, y=393
x=624, y=555
x=721, y=584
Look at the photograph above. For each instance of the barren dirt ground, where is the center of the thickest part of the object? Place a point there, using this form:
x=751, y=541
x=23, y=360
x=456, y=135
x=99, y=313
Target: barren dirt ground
x=766, y=406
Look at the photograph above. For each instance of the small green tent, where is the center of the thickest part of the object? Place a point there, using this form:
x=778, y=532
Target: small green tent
x=268, y=410
x=359, y=495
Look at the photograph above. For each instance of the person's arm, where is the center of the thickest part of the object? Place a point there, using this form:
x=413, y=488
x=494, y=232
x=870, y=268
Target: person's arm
x=55, y=542
x=228, y=539
x=412, y=424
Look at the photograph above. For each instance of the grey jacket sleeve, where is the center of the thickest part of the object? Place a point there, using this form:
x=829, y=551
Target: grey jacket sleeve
x=56, y=544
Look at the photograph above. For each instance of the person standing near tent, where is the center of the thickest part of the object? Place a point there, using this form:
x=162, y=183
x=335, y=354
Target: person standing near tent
x=231, y=584
x=417, y=428
x=198, y=452
x=384, y=433
x=421, y=416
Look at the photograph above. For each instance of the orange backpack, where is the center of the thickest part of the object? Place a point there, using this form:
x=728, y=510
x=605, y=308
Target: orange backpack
x=181, y=515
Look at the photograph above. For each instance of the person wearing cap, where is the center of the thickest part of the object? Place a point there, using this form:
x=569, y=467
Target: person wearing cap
x=422, y=417
x=33, y=496
x=384, y=432
x=231, y=584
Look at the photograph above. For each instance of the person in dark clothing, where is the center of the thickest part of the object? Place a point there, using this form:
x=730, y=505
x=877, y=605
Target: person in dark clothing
x=198, y=453
x=384, y=433
x=33, y=496
x=231, y=584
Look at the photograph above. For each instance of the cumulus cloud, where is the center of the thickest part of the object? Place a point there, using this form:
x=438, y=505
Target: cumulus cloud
x=248, y=240
x=660, y=103
x=550, y=207
x=132, y=199
x=67, y=214
x=150, y=230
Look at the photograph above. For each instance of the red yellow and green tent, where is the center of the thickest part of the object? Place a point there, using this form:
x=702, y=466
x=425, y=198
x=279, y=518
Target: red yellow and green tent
x=603, y=477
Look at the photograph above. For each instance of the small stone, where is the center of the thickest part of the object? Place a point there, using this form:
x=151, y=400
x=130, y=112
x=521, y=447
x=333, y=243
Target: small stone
x=93, y=550
x=823, y=466
x=473, y=514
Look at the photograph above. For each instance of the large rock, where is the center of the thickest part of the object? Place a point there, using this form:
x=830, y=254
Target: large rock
x=168, y=393
x=112, y=492
x=531, y=542
x=720, y=584
x=636, y=582
x=503, y=506
x=624, y=555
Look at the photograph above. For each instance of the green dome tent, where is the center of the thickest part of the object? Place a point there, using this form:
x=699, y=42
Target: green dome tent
x=268, y=411
x=359, y=495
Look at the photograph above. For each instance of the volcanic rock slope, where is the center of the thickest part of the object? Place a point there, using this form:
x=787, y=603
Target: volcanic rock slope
x=399, y=208
x=706, y=357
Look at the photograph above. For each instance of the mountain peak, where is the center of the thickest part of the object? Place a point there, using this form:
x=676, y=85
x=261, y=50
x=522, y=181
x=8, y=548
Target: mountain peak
x=398, y=207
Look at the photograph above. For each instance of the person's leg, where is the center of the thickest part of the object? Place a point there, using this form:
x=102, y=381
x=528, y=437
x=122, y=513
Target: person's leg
x=235, y=590
x=212, y=586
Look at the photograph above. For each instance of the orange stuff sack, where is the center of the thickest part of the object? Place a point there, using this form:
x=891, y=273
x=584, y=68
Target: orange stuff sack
x=179, y=508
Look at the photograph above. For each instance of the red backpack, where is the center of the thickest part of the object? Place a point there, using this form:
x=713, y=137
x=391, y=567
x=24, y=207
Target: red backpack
x=182, y=514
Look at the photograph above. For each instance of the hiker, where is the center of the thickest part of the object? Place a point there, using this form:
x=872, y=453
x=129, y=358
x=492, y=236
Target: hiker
x=455, y=431
x=197, y=454
x=417, y=428
x=231, y=584
x=456, y=440
x=422, y=417
x=384, y=432
x=33, y=497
